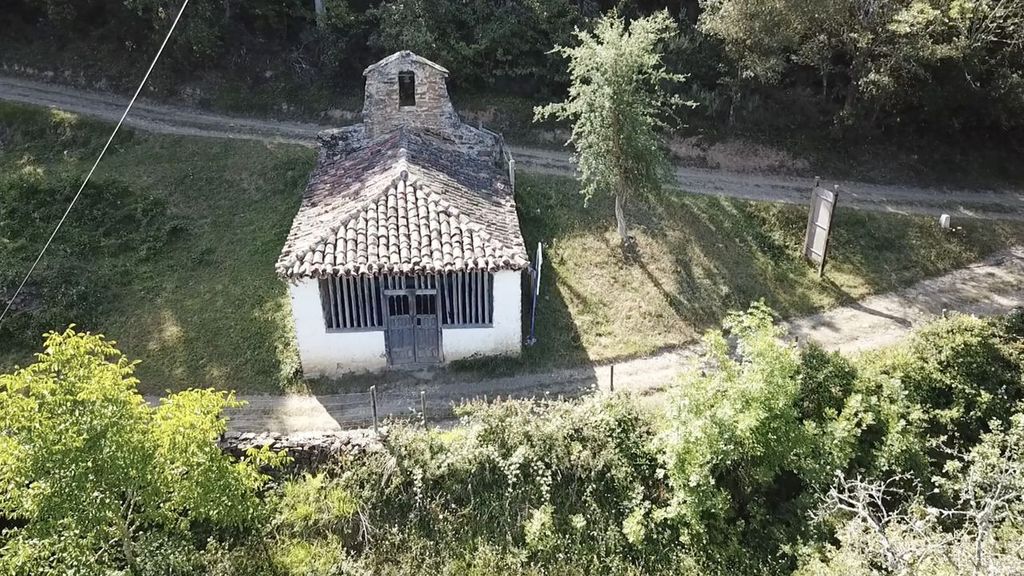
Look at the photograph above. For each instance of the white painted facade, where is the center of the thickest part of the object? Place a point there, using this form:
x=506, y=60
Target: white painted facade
x=332, y=353
x=326, y=353
x=504, y=336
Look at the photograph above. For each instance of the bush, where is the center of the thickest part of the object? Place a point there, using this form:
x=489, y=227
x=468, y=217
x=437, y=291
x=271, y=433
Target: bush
x=534, y=485
x=93, y=480
x=961, y=372
x=750, y=442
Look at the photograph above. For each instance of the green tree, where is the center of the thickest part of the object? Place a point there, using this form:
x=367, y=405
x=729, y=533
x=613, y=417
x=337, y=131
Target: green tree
x=960, y=372
x=94, y=480
x=960, y=56
x=202, y=24
x=617, y=103
x=882, y=528
x=749, y=443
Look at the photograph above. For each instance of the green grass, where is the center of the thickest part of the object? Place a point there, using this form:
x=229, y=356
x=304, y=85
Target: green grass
x=201, y=305
x=206, y=309
x=699, y=257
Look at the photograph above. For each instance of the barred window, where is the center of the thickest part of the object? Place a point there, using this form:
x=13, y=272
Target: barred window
x=461, y=299
x=352, y=303
x=467, y=299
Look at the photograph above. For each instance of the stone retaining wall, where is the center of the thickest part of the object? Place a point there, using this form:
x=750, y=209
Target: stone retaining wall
x=309, y=452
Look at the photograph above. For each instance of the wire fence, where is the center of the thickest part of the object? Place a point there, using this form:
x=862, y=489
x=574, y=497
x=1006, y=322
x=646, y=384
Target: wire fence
x=371, y=408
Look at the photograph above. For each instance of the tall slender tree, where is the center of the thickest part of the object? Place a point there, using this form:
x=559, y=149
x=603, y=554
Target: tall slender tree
x=618, y=102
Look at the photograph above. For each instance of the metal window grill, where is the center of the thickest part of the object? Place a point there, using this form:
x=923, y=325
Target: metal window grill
x=461, y=299
x=352, y=302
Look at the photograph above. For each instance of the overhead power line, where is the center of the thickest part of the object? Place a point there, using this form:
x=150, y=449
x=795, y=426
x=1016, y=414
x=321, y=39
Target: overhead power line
x=10, y=303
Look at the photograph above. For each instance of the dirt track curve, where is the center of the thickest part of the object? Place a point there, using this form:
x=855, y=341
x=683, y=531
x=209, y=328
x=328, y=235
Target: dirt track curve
x=162, y=118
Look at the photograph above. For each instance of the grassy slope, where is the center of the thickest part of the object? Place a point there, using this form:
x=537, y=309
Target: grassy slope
x=208, y=311
x=701, y=256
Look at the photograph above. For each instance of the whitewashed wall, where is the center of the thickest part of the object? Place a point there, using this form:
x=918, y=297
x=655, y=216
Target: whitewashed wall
x=326, y=353
x=506, y=334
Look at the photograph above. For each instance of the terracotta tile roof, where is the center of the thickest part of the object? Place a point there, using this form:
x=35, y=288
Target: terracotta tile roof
x=407, y=203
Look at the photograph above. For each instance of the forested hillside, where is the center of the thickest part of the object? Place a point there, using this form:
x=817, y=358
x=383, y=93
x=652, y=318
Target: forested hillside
x=907, y=67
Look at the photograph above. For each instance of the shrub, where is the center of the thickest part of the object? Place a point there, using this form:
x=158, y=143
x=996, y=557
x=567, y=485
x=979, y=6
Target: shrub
x=750, y=441
x=537, y=486
x=961, y=372
x=93, y=480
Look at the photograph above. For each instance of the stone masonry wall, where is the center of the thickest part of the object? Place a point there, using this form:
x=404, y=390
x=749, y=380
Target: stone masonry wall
x=309, y=452
x=433, y=109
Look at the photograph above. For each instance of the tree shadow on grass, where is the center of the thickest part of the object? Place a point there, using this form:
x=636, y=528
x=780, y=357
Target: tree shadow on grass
x=707, y=256
x=558, y=339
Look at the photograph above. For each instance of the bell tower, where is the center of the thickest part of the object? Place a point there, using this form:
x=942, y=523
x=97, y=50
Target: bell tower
x=406, y=90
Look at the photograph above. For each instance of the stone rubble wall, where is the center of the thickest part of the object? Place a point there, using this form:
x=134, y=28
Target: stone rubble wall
x=309, y=452
x=337, y=143
x=433, y=109
x=433, y=113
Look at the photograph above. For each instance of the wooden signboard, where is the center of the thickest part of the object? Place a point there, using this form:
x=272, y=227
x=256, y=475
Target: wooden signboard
x=819, y=225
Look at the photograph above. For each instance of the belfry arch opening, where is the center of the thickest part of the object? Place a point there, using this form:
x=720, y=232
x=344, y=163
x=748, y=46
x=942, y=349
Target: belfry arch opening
x=407, y=88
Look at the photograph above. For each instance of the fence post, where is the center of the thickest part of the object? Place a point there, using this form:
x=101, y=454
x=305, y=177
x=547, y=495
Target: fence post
x=611, y=378
x=423, y=407
x=373, y=406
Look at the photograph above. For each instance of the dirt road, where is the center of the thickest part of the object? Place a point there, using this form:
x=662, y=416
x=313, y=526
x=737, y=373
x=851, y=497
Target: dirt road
x=986, y=204
x=993, y=286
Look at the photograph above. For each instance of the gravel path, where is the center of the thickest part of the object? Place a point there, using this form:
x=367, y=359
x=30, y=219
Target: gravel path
x=993, y=286
x=988, y=204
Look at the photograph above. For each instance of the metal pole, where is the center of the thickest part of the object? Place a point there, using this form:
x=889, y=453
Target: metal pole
x=512, y=172
x=536, y=294
x=373, y=406
x=423, y=407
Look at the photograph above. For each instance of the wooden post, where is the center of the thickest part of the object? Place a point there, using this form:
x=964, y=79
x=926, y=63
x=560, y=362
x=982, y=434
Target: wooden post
x=423, y=407
x=458, y=297
x=488, y=302
x=611, y=378
x=333, y=295
x=343, y=287
x=373, y=406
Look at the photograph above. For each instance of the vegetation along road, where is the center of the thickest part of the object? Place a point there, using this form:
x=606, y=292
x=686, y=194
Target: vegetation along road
x=991, y=287
x=984, y=204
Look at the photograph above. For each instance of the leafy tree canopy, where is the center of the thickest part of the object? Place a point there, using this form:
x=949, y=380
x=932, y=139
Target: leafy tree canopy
x=617, y=103
x=93, y=479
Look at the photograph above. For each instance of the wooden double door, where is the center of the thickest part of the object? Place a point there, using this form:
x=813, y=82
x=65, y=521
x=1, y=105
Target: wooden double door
x=413, y=328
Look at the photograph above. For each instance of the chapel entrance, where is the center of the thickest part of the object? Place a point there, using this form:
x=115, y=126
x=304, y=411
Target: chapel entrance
x=413, y=331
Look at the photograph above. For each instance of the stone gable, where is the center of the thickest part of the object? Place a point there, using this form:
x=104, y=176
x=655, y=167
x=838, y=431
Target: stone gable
x=382, y=112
